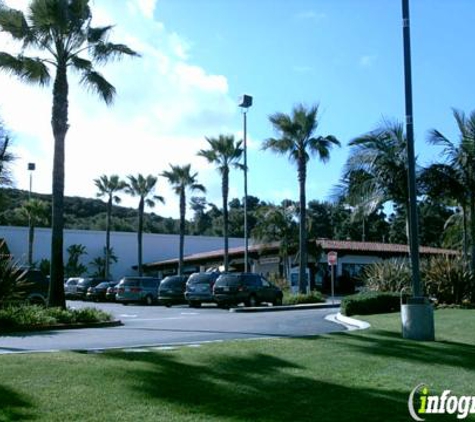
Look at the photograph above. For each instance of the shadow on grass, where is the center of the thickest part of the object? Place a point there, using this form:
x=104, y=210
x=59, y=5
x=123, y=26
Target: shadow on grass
x=257, y=387
x=392, y=345
x=14, y=406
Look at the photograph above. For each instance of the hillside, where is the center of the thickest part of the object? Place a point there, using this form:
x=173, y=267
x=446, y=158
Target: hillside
x=83, y=214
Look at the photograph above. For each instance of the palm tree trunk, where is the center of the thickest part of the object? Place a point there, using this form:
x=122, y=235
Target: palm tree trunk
x=31, y=239
x=108, y=238
x=225, y=189
x=302, y=175
x=472, y=230
x=465, y=234
x=59, y=123
x=182, y=230
x=140, y=235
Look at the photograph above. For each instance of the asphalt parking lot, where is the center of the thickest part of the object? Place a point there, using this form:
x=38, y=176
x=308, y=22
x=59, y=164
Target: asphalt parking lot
x=158, y=326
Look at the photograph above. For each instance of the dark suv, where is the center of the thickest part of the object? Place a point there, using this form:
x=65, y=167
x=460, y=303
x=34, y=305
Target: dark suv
x=84, y=284
x=250, y=288
x=172, y=290
x=36, y=287
x=199, y=288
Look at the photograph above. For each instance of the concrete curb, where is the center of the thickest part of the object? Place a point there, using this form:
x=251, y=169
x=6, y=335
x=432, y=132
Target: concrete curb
x=285, y=308
x=77, y=326
x=350, y=324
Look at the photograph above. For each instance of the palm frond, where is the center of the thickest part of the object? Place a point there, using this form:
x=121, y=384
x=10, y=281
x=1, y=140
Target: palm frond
x=27, y=69
x=104, y=52
x=97, y=84
x=98, y=34
x=14, y=23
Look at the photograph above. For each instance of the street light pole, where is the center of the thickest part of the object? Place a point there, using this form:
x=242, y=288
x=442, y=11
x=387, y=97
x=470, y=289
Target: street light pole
x=31, y=168
x=417, y=315
x=245, y=102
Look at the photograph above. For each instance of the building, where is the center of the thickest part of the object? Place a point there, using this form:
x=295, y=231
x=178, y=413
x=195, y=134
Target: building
x=265, y=259
x=124, y=244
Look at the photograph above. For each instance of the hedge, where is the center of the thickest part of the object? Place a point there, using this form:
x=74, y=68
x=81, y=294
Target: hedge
x=367, y=303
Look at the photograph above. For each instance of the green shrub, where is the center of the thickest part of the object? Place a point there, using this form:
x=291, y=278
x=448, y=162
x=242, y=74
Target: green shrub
x=11, y=280
x=91, y=315
x=62, y=316
x=368, y=303
x=449, y=280
x=302, y=298
x=391, y=275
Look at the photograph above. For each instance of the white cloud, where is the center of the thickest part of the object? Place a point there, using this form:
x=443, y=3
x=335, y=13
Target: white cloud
x=310, y=15
x=367, y=60
x=165, y=107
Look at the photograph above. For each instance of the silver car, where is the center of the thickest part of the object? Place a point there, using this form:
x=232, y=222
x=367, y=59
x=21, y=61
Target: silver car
x=138, y=289
x=71, y=287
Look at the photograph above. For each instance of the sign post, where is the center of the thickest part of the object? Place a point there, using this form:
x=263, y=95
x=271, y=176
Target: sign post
x=332, y=258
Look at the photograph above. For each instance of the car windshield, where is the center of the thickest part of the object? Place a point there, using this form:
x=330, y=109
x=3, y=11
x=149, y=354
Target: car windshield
x=201, y=278
x=133, y=282
x=103, y=285
x=85, y=281
x=172, y=282
x=72, y=281
x=227, y=280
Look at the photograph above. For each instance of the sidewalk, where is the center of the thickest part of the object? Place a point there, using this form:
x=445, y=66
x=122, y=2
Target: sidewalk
x=328, y=304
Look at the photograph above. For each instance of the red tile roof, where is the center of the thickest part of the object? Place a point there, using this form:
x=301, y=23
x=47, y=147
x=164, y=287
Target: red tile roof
x=327, y=245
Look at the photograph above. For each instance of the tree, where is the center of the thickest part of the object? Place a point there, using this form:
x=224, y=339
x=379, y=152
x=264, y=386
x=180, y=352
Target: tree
x=181, y=179
x=108, y=187
x=298, y=141
x=73, y=267
x=6, y=157
x=36, y=211
x=376, y=170
x=224, y=152
x=143, y=188
x=461, y=161
x=61, y=31
x=201, y=220
x=99, y=263
x=277, y=223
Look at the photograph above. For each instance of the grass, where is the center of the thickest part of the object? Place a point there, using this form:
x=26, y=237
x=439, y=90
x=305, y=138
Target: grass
x=357, y=376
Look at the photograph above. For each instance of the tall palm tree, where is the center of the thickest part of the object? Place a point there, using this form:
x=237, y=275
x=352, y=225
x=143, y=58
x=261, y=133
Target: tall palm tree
x=143, y=188
x=6, y=157
x=61, y=31
x=108, y=187
x=461, y=159
x=376, y=170
x=36, y=211
x=181, y=179
x=298, y=141
x=224, y=152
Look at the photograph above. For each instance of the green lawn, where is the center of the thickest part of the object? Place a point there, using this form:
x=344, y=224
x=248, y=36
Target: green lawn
x=358, y=376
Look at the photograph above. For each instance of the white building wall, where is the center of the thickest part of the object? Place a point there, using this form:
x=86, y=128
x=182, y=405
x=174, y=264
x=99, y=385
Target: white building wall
x=156, y=247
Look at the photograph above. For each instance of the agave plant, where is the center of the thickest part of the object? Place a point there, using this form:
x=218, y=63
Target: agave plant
x=11, y=278
x=392, y=275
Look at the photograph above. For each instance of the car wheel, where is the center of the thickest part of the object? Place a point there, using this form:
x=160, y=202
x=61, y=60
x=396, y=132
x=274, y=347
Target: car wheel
x=277, y=301
x=252, y=302
x=148, y=300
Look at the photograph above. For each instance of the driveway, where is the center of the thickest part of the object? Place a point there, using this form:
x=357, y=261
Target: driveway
x=160, y=326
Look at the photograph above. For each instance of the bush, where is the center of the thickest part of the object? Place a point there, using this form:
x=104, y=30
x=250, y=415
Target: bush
x=449, y=280
x=11, y=280
x=391, y=275
x=302, y=298
x=368, y=303
x=26, y=316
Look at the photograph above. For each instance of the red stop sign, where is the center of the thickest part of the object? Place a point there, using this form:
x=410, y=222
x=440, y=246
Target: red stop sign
x=332, y=258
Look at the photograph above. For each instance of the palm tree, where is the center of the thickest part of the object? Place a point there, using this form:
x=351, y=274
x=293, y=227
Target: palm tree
x=224, y=152
x=143, y=188
x=376, y=170
x=6, y=157
x=62, y=31
x=181, y=180
x=461, y=159
x=298, y=141
x=36, y=211
x=108, y=187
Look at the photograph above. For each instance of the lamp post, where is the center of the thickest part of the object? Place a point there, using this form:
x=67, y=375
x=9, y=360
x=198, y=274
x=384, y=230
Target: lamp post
x=417, y=315
x=31, y=169
x=245, y=101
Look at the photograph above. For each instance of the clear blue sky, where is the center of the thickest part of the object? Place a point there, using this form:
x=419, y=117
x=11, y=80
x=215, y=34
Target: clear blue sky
x=344, y=54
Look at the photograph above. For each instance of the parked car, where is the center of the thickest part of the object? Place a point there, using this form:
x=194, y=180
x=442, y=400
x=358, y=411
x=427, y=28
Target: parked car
x=137, y=289
x=199, y=288
x=70, y=287
x=252, y=289
x=172, y=290
x=98, y=293
x=84, y=284
x=111, y=292
x=33, y=287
